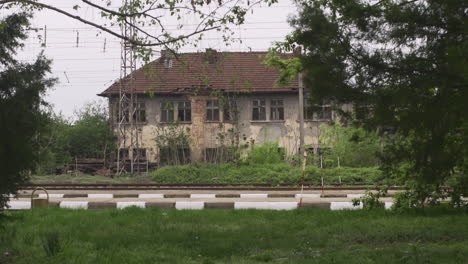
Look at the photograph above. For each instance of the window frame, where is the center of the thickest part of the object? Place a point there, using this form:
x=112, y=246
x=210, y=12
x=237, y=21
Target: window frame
x=166, y=112
x=212, y=110
x=183, y=107
x=275, y=113
x=259, y=107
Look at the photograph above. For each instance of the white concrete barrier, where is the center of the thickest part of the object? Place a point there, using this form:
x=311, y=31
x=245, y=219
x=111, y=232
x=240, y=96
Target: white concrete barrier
x=282, y=205
x=74, y=204
x=151, y=196
x=308, y=195
x=203, y=195
x=121, y=205
x=51, y=195
x=254, y=195
x=344, y=206
x=355, y=195
x=19, y=205
x=189, y=205
x=100, y=195
x=388, y=205
x=266, y=205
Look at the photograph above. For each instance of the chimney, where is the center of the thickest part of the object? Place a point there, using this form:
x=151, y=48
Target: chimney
x=297, y=51
x=211, y=55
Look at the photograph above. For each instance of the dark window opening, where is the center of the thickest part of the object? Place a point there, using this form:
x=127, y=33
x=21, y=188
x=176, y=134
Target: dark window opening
x=167, y=112
x=139, y=114
x=174, y=155
x=217, y=155
x=276, y=110
x=325, y=113
x=124, y=154
x=212, y=110
x=139, y=154
x=184, y=111
x=258, y=109
x=124, y=114
x=230, y=111
x=308, y=110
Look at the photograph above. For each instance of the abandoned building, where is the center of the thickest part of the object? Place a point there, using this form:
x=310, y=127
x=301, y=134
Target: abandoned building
x=200, y=104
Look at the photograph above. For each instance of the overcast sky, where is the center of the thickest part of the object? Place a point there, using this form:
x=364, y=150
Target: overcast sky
x=86, y=69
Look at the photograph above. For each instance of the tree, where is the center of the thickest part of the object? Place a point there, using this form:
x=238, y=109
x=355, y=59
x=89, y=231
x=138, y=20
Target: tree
x=22, y=86
x=352, y=146
x=91, y=135
x=137, y=15
x=403, y=64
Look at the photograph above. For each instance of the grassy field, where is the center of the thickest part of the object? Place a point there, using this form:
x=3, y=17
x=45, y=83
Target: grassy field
x=246, y=236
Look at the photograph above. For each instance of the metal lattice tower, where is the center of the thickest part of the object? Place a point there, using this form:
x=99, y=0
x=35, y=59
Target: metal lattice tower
x=127, y=129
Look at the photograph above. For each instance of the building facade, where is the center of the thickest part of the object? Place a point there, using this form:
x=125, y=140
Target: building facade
x=194, y=107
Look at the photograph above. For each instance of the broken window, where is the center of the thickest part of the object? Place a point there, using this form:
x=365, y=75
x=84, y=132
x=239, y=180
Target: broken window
x=184, y=111
x=176, y=155
x=258, y=109
x=276, y=109
x=230, y=111
x=167, y=112
x=212, y=110
x=139, y=154
x=139, y=114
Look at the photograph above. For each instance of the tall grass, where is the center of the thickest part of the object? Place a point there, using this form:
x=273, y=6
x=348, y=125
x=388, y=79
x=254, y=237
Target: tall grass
x=238, y=236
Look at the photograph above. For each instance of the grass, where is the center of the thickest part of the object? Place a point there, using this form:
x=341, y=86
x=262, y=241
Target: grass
x=237, y=236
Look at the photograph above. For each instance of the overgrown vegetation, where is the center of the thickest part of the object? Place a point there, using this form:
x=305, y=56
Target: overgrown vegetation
x=401, y=64
x=235, y=236
x=22, y=108
x=89, y=136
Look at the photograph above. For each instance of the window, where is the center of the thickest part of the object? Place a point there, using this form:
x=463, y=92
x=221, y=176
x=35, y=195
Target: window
x=139, y=154
x=258, y=109
x=184, y=111
x=140, y=112
x=123, y=154
x=167, y=63
x=324, y=113
x=167, y=112
x=230, y=111
x=212, y=110
x=308, y=110
x=174, y=155
x=122, y=116
x=276, y=109
x=217, y=155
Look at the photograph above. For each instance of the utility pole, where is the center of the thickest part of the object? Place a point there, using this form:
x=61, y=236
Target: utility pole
x=301, y=109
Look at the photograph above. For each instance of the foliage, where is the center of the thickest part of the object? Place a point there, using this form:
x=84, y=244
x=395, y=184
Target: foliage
x=22, y=86
x=370, y=200
x=266, y=153
x=173, y=141
x=261, y=173
x=89, y=136
x=199, y=236
x=402, y=64
x=353, y=146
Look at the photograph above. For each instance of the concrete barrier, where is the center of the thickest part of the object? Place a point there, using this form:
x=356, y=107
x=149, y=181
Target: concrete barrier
x=151, y=196
x=122, y=205
x=183, y=205
x=74, y=204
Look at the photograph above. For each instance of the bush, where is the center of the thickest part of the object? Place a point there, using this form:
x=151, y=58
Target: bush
x=255, y=173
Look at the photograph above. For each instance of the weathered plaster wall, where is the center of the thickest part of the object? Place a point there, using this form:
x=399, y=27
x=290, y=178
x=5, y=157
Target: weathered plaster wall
x=212, y=134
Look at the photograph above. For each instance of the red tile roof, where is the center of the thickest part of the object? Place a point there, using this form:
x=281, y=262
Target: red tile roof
x=228, y=72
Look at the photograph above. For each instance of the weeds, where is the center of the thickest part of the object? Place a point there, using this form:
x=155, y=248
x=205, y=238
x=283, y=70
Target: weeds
x=52, y=244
